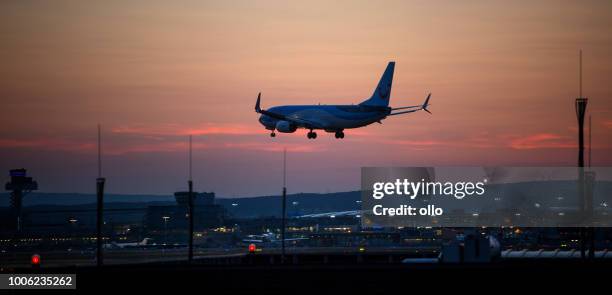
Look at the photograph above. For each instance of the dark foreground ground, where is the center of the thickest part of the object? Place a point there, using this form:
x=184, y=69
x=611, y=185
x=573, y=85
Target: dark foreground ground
x=516, y=276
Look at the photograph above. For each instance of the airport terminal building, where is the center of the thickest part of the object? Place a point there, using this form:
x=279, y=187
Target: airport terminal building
x=207, y=214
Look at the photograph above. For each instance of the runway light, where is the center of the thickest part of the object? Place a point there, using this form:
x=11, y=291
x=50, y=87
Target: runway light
x=35, y=260
x=252, y=248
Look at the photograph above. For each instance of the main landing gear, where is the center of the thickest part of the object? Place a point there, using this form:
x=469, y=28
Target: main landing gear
x=339, y=134
x=311, y=135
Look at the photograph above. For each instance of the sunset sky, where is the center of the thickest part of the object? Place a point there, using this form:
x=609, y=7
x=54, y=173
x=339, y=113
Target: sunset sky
x=504, y=76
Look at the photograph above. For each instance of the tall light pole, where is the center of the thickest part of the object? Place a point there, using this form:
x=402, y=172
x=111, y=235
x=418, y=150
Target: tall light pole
x=190, y=209
x=165, y=218
x=586, y=206
x=589, y=182
x=284, y=205
x=100, y=203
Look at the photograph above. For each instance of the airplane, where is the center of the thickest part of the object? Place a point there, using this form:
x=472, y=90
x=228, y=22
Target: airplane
x=142, y=244
x=336, y=118
x=268, y=239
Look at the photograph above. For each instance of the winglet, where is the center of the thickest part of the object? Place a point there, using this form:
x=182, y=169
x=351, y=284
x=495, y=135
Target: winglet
x=426, y=104
x=257, y=107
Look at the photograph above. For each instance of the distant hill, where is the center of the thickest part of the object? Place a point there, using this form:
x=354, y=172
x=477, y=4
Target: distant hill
x=265, y=206
x=297, y=204
x=36, y=198
x=524, y=194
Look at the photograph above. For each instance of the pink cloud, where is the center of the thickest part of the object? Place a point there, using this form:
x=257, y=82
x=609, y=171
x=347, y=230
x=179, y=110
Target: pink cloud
x=474, y=141
x=182, y=147
x=276, y=148
x=417, y=143
x=484, y=141
x=149, y=147
x=542, y=141
x=178, y=130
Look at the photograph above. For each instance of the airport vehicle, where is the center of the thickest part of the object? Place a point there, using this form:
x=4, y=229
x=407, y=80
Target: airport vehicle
x=336, y=118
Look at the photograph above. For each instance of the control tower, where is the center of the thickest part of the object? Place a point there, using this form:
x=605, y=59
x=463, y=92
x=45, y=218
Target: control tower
x=19, y=186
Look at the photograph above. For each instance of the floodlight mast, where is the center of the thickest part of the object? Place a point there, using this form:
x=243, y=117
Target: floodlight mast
x=100, y=181
x=191, y=210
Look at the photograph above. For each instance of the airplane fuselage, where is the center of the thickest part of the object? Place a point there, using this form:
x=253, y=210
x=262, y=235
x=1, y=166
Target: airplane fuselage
x=331, y=118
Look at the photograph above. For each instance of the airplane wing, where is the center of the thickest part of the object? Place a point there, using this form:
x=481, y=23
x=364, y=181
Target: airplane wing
x=308, y=124
x=267, y=113
x=412, y=109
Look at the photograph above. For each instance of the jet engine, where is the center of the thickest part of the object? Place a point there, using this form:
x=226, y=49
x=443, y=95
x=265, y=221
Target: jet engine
x=285, y=127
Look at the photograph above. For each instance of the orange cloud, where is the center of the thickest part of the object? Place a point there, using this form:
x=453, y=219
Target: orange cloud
x=542, y=141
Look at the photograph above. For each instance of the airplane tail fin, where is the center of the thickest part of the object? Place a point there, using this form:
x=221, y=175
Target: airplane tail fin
x=257, y=107
x=382, y=93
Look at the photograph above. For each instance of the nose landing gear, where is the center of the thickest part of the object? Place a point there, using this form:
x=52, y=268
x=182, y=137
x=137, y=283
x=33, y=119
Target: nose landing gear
x=311, y=135
x=339, y=134
x=272, y=134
